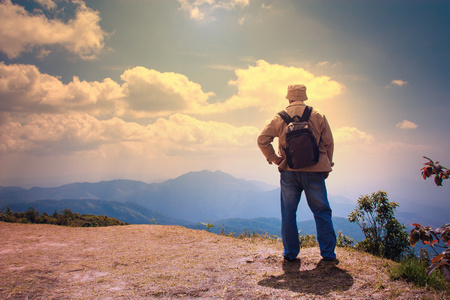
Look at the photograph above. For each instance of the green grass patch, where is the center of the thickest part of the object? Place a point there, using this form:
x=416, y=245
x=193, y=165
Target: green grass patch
x=413, y=270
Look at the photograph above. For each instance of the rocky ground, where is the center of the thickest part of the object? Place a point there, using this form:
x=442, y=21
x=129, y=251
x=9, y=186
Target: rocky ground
x=171, y=262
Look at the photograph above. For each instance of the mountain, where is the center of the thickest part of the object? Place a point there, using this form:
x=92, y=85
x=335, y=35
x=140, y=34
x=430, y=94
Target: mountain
x=188, y=199
x=194, y=196
x=125, y=212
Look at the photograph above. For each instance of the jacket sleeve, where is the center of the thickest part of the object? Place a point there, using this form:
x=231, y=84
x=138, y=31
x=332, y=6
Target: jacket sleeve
x=327, y=140
x=265, y=140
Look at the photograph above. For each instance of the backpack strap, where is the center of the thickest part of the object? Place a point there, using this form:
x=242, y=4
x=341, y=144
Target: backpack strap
x=284, y=115
x=306, y=114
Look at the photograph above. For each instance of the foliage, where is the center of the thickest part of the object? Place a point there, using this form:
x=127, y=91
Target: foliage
x=428, y=235
x=65, y=218
x=433, y=238
x=384, y=235
x=434, y=168
x=207, y=224
x=414, y=270
x=308, y=240
x=344, y=240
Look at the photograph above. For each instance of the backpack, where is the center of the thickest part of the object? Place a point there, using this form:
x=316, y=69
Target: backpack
x=301, y=146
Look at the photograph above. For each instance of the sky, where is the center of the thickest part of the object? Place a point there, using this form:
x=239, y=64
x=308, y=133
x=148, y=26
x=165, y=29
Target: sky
x=151, y=89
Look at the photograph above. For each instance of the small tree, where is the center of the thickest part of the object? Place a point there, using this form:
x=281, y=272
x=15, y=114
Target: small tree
x=428, y=235
x=208, y=225
x=32, y=214
x=385, y=236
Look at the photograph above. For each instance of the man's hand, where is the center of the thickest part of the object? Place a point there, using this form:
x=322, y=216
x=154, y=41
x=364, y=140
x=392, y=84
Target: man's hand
x=325, y=175
x=278, y=161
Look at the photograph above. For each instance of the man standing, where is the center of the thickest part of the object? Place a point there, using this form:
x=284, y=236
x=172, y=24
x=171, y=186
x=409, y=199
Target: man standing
x=309, y=179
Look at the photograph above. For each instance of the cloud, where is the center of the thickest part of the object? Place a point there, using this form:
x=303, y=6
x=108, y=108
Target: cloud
x=24, y=89
x=264, y=86
x=22, y=31
x=48, y=4
x=398, y=82
x=405, y=124
x=148, y=93
x=202, y=9
x=351, y=135
x=57, y=134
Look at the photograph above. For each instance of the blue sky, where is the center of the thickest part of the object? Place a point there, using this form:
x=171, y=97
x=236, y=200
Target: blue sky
x=152, y=89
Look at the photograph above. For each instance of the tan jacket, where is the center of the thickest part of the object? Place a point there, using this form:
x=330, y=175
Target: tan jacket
x=320, y=128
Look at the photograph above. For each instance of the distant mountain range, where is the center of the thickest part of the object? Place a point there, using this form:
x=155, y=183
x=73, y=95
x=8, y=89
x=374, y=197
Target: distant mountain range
x=187, y=200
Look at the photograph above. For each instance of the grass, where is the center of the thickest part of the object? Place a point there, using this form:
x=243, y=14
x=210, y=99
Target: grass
x=413, y=270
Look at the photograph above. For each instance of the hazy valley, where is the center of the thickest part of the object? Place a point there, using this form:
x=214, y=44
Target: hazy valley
x=231, y=204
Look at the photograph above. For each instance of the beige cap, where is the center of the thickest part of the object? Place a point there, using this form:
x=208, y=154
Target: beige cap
x=296, y=92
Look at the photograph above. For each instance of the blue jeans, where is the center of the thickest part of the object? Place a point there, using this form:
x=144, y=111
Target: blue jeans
x=313, y=183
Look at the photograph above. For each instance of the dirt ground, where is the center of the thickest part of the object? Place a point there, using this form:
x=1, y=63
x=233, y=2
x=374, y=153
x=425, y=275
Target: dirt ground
x=171, y=262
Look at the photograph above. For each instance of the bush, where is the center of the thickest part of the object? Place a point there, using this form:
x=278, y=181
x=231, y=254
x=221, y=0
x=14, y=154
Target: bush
x=384, y=235
x=343, y=240
x=433, y=238
x=307, y=241
x=414, y=270
x=430, y=236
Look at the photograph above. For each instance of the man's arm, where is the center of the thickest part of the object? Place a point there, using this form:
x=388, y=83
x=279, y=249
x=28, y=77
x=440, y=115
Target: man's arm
x=265, y=140
x=327, y=140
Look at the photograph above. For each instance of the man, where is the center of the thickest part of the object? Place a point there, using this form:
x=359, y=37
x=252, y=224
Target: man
x=309, y=179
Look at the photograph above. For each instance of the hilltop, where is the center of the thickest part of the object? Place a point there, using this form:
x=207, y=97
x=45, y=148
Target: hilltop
x=156, y=261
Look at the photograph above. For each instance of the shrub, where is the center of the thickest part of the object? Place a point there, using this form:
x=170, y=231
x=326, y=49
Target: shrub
x=433, y=238
x=343, y=240
x=414, y=270
x=428, y=235
x=384, y=235
x=308, y=240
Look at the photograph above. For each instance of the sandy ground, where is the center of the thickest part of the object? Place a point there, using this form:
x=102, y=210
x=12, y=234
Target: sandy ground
x=171, y=262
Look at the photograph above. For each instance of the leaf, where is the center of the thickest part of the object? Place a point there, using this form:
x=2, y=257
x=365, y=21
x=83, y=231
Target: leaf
x=430, y=161
x=413, y=239
x=417, y=225
x=438, y=180
x=431, y=268
x=437, y=258
x=443, y=228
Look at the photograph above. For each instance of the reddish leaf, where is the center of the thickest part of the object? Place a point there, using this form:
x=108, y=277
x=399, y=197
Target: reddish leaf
x=443, y=228
x=437, y=258
x=417, y=225
x=438, y=180
x=431, y=268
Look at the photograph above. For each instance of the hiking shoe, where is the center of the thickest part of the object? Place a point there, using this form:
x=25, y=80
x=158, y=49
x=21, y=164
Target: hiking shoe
x=290, y=259
x=328, y=262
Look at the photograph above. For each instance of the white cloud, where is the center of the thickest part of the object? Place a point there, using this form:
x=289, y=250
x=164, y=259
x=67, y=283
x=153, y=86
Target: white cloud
x=48, y=4
x=150, y=92
x=24, y=89
x=147, y=93
x=56, y=134
x=264, y=86
x=398, y=82
x=405, y=124
x=351, y=135
x=22, y=31
x=202, y=9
